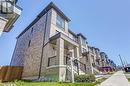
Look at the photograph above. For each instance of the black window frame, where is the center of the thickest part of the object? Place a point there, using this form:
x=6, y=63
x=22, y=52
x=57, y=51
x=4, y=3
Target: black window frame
x=29, y=43
x=32, y=29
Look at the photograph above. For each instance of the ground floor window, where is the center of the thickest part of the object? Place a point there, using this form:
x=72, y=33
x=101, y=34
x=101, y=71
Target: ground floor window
x=51, y=61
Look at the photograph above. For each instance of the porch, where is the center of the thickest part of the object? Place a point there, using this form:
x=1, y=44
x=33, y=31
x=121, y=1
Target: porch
x=65, y=50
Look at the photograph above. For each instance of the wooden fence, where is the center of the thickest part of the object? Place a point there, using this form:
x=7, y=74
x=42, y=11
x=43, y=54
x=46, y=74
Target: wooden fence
x=10, y=73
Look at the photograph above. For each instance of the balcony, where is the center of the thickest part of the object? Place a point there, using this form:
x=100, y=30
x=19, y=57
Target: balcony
x=65, y=37
x=10, y=13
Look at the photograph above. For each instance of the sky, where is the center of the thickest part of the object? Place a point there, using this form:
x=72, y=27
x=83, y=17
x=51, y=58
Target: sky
x=105, y=23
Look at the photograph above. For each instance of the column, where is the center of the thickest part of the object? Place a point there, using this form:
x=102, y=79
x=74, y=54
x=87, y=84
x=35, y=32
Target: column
x=76, y=55
x=76, y=52
x=60, y=56
x=91, y=61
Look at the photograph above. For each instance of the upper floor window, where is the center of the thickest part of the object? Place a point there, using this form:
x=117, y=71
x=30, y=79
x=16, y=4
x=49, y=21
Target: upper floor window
x=29, y=43
x=32, y=30
x=60, y=22
x=83, y=42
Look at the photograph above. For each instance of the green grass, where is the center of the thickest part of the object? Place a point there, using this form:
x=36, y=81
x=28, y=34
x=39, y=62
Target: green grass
x=99, y=81
x=29, y=83
x=1, y=84
x=127, y=73
x=26, y=83
x=52, y=84
x=129, y=79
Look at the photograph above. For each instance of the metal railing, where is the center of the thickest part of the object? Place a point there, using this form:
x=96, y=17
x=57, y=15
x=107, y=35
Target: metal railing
x=78, y=66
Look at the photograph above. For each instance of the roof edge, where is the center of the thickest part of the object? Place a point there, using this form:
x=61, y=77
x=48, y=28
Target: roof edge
x=44, y=11
x=80, y=34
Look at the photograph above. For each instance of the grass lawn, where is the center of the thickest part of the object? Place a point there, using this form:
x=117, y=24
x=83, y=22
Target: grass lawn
x=129, y=79
x=1, y=84
x=127, y=73
x=27, y=83
x=19, y=83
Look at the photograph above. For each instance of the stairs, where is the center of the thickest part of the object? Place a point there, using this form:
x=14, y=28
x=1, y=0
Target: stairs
x=96, y=71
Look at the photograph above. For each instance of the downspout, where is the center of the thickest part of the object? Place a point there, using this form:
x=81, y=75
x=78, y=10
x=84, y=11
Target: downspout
x=43, y=47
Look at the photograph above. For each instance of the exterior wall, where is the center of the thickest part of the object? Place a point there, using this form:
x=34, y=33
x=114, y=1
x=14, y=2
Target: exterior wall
x=30, y=56
x=27, y=56
x=98, y=57
x=49, y=49
x=81, y=46
x=103, y=56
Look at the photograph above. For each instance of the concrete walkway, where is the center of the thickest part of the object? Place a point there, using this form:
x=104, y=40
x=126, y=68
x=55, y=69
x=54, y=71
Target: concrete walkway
x=118, y=79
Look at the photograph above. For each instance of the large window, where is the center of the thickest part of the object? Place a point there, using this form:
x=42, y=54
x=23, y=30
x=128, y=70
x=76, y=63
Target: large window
x=83, y=42
x=60, y=22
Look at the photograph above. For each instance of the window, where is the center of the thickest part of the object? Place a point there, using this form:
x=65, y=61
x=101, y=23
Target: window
x=51, y=61
x=32, y=30
x=83, y=42
x=60, y=22
x=29, y=43
x=92, y=58
x=87, y=58
x=74, y=38
x=7, y=6
x=67, y=61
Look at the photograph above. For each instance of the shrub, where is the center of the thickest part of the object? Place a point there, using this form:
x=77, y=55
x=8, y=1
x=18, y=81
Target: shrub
x=85, y=78
x=99, y=81
x=19, y=82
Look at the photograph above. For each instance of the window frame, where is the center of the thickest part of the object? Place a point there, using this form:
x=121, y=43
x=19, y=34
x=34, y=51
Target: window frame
x=29, y=43
x=60, y=22
x=32, y=29
x=49, y=58
x=83, y=42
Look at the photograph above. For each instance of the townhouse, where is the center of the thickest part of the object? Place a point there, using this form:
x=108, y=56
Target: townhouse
x=47, y=49
x=107, y=64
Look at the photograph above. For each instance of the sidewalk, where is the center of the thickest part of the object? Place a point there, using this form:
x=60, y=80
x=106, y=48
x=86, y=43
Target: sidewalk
x=118, y=79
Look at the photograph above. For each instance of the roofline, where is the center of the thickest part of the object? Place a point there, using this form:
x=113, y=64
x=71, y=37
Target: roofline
x=16, y=1
x=102, y=53
x=97, y=49
x=80, y=34
x=47, y=8
x=18, y=7
x=72, y=32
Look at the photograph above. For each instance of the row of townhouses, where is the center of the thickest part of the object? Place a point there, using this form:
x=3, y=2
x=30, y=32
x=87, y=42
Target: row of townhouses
x=48, y=49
